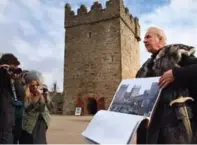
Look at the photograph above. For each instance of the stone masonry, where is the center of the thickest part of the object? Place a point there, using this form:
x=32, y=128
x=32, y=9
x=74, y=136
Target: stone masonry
x=101, y=49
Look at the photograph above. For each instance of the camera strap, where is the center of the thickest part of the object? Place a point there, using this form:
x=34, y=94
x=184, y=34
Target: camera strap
x=13, y=90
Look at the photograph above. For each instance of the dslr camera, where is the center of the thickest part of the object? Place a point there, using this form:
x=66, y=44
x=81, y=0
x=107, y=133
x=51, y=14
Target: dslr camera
x=16, y=71
x=45, y=90
x=12, y=70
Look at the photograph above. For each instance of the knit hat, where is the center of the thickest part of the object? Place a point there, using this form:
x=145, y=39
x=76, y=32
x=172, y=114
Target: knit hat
x=32, y=75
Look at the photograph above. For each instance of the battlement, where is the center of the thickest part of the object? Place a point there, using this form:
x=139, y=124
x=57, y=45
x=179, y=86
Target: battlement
x=114, y=9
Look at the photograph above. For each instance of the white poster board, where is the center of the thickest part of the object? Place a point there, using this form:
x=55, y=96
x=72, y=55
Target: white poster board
x=78, y=111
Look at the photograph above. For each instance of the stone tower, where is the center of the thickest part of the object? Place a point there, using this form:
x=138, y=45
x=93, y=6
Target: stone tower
x=101, y=49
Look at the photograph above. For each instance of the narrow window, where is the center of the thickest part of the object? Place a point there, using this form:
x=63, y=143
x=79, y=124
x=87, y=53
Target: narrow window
x=89, y=35
x=112, y=58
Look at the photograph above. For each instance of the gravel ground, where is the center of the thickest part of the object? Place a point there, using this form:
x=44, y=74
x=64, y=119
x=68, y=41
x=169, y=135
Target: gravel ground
x=67, y=129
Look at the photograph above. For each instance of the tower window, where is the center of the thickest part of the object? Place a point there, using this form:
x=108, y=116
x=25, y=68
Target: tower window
x=112, y=58
x=89, y=34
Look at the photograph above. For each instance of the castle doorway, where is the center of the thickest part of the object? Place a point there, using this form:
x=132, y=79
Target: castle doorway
x=92, y=106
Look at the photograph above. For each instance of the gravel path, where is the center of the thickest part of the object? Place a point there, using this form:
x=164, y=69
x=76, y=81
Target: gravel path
x=67, y=129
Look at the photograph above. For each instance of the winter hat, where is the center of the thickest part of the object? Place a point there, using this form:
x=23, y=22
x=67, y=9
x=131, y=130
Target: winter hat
x=32, y=75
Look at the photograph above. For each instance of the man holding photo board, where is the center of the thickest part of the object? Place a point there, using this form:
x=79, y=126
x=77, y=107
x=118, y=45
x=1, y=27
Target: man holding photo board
x=174, y=120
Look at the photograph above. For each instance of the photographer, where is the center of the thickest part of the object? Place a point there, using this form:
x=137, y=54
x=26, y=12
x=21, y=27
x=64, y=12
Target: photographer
x=9, y=71
x=36, y=115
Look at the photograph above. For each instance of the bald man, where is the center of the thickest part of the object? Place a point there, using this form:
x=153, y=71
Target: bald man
x=177, y=67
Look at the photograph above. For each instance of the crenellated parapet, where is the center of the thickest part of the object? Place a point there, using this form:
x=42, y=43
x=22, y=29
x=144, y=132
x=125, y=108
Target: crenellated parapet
x=130, y=21
x=82, y=10
x=96, y=6
x=114, y=9
x=137, y=29
x=68, y=11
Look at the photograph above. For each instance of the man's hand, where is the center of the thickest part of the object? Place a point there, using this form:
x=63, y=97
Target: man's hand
x=4, y=65
x=166, y=79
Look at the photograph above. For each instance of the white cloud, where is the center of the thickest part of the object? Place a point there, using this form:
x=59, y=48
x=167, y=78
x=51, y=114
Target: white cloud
x=3, y=4
x=27, y=28
x=35, y=33
x=178, y=20
x=22, y=46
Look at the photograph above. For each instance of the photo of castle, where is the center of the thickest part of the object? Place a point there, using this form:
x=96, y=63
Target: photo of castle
x=136, y=97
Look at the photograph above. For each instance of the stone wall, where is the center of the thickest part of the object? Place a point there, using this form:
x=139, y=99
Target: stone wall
x=101, y=49
x=130, y=60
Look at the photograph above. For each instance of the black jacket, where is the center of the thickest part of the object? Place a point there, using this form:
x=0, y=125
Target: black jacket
x=185, y=77
x=187, y=74
x=6, y=108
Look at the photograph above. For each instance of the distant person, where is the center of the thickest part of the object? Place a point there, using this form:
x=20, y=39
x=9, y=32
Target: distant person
x=36, y=118
x=177, y=66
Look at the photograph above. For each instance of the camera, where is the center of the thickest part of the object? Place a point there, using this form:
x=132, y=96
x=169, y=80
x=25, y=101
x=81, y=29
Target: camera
x=12, y=70
x=15, y=70
x=45, y=90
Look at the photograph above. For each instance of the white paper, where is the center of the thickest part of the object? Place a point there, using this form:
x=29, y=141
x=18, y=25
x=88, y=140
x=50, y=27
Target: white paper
x=134, y=101
x=109, y=127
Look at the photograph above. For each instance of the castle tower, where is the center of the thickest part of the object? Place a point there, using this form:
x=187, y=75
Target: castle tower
x=101, y=49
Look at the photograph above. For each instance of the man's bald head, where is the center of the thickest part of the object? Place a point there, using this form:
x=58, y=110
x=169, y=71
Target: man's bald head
x=154, y=39
x=159, y=32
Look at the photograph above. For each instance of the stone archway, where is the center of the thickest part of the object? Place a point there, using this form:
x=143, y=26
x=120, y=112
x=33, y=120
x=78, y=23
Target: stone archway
x=91, y=104
x=92, y=107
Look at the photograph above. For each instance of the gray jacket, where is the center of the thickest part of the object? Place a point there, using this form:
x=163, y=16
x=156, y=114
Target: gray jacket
x=32, y=111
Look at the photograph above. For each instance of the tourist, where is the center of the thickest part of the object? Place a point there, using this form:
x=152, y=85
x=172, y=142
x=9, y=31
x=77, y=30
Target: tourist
x=9, y=72
x=36, y=115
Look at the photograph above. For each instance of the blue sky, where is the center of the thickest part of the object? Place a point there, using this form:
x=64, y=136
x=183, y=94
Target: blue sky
x=34, y=29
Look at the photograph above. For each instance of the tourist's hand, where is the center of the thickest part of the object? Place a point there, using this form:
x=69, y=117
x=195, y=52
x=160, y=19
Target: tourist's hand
x=39, y=91
x=4, y=65
x=166, y=79
x=36, y=96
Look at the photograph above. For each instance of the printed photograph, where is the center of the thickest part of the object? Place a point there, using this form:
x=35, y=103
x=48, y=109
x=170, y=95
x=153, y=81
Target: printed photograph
x=136, y=97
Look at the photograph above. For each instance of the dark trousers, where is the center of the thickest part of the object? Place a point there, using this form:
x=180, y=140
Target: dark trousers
x=38, y=135
x=17, y=131
x=6, y=137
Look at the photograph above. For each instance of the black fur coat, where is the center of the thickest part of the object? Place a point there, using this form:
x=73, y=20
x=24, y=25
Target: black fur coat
x=167, y=58
x=166, y=126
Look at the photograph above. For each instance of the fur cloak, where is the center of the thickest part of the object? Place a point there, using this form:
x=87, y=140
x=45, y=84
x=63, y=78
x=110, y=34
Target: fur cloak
x=167, y=126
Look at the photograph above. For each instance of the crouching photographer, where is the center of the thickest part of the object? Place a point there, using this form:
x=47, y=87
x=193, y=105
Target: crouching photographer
x=9, y=72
